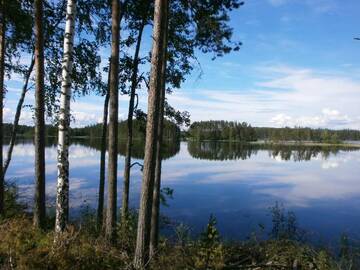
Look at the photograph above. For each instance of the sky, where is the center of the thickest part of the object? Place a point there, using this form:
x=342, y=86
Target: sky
x=299, y=66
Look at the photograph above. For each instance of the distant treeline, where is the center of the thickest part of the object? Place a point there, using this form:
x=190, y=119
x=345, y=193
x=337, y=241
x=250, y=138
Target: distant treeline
x=28, y=131
x=222, y=130
x=236, y=131
x=171, y=130
x=307, y=134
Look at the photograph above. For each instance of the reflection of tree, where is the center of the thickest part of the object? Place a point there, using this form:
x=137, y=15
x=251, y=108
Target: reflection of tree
x=170, y=148
x=232, y=151
x=49, y=141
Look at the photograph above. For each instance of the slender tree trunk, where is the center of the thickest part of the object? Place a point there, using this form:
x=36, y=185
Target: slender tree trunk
x=39, y=207
x=134, y=82
x=62, y=196
x=2, y=72
x=100, y=210
x=154, y=234
x=113, y=124
x=17, y=115
x=144, y=221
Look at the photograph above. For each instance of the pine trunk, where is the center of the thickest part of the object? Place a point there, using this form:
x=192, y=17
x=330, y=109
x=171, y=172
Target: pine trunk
x=100, y=210
x=134, y=82
x=113, y=124
x=2, y=72
x=39, y=206
x=144, y=222
x=62, y=196
x=17, y=116
x=154, y=234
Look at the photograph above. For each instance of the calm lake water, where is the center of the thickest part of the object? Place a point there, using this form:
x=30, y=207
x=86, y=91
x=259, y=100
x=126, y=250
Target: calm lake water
x=237, y=183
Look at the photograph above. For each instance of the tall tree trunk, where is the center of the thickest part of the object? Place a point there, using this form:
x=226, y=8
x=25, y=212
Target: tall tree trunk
x=17, y=116
x=154, y=234
x=2, y=72
x=113, y=124
x=134, y=82
x=39, y=207
x=100, y=210
x=144, y=221
x=62, y=196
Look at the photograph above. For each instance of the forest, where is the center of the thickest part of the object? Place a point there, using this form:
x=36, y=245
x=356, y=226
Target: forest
x=236, y=131
x=64, y=42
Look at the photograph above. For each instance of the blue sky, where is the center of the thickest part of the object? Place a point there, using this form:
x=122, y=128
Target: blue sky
x=299, y=65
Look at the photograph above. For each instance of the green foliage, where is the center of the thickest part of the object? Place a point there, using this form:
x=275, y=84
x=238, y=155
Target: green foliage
x=127, y=232
x=235, y=131
x=11, y=200
x=300, y=134
x=284, y=224
x=171, y=131
x=209, y=250
x=349, y=254
x=25, y=247
x=166, y=193
x=222, y=130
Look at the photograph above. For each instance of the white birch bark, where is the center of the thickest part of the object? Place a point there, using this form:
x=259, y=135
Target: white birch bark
x=62, y=195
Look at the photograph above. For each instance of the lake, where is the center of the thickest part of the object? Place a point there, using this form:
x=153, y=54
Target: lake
x=237, y=183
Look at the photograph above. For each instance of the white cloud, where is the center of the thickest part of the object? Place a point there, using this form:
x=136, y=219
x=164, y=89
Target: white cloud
x=282, y=96
x=328, y=118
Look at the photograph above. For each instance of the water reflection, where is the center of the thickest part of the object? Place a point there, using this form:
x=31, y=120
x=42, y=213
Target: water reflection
x=211, y=150
x=235, y=182
x=169, y=149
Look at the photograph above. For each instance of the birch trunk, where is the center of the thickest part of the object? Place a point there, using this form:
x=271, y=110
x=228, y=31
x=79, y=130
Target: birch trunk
x=154, y=234
x=100, y=210
x=2, y=72
x=143, y=231
x=39, y=206
x=134, y=82
x=110, y=229
x=62, y=196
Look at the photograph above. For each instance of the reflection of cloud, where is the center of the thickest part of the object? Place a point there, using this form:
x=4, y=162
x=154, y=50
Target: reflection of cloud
x=329, y=165
x=296, y=183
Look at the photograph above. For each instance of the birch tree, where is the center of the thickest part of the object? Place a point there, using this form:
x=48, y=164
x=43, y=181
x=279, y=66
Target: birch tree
x=39, y=206
x=62, y=196
x=113, y=123
x=144, y=220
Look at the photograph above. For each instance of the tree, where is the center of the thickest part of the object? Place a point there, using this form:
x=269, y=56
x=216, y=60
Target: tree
x=144, y=8
x=100, y=209
x=155, y=212
x=62, y=195
x=86, y=60
x=39, y=208
x=113, y=123
x=144, y=220
x=17, y=34
x=2, y=73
